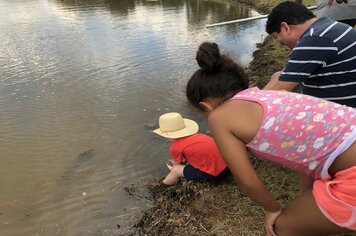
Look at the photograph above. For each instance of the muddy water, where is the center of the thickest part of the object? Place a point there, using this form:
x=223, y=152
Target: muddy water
x=82, y=84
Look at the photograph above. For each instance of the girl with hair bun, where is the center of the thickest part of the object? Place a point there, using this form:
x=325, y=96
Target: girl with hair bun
x=309, y=135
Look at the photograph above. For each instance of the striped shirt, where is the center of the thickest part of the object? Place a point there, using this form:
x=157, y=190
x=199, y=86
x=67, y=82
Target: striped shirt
x=324, y=61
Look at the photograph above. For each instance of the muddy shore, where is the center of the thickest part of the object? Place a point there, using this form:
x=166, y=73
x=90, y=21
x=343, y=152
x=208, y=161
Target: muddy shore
x=193, y=208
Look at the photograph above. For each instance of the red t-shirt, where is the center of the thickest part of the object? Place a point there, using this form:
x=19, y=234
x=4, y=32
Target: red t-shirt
x=200, y=151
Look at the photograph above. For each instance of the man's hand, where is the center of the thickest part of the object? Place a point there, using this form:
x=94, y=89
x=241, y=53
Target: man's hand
x=275, y=84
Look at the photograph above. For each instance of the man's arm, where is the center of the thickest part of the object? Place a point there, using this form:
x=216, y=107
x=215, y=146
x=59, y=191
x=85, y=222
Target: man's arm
x=303, y=62
x=276, y=84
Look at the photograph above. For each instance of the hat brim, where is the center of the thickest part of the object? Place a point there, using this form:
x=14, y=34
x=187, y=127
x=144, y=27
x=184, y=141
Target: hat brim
x=191, y=127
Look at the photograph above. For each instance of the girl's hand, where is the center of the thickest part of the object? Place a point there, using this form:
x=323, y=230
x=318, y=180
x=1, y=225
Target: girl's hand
x=270, y=219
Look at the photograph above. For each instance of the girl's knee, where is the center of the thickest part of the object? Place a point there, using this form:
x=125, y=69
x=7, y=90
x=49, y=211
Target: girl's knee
x=283, y=227
x=280, y=226
x=286, y=225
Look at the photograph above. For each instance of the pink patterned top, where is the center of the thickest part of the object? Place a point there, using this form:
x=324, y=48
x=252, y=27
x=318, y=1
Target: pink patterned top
x=299, y=131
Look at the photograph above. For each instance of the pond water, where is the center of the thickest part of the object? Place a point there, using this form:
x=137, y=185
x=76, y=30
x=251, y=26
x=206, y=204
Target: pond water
x=82, y=84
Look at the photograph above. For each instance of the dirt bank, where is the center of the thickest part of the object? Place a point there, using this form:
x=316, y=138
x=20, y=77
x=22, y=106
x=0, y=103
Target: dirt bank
x=192, y=208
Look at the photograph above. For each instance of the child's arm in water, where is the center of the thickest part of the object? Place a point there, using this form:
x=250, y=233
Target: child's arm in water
x=176, y=171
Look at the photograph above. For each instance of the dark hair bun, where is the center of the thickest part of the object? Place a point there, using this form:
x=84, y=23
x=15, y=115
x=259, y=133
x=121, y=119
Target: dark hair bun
x=208, y=56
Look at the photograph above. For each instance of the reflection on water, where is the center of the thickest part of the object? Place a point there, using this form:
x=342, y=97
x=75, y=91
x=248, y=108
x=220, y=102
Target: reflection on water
x=82, y=83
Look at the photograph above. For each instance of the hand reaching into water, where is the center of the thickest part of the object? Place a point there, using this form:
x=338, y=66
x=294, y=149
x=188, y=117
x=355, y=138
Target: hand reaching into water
x=169, y=164
x=270, y=219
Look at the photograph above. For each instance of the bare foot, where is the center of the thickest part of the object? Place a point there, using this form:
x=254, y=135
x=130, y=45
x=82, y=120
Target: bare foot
x=169, y=164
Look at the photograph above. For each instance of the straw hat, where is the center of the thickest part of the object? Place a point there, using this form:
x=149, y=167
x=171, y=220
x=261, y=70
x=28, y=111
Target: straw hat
x=173, y=125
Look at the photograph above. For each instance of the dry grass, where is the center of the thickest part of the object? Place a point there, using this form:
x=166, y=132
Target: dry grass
x=193, y=208
x=202, y=209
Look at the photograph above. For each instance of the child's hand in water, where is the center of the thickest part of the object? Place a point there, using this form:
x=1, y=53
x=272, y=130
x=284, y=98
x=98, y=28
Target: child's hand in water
x=169, y=164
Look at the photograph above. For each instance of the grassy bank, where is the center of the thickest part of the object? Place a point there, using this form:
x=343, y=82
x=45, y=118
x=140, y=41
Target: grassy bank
x=192, y=208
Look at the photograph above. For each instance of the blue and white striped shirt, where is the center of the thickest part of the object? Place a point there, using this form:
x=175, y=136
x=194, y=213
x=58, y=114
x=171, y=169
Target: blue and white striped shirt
x=324, y=61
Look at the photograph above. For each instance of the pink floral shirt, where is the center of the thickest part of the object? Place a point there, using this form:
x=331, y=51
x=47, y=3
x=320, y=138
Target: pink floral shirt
x=298, y=131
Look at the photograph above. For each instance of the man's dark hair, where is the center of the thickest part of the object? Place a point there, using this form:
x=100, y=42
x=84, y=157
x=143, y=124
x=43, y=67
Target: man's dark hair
x=290, y=12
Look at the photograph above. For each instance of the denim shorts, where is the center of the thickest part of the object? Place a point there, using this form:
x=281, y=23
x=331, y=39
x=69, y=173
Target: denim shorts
x=191, y=173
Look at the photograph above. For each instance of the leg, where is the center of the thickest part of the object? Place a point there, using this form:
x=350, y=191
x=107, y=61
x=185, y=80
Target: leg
x=174, y=175
x=305, y=183
x=303, y=217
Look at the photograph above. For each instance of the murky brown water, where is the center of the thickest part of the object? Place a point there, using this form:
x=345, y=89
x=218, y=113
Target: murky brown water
x=81, y=85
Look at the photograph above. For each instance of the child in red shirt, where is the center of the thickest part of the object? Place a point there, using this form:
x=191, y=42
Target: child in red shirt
x=195, y=155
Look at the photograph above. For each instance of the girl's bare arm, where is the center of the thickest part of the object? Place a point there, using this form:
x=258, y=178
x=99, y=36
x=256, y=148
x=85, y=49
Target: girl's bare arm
x=235, y=155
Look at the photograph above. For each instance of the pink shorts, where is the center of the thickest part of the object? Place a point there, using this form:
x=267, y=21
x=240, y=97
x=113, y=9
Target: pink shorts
x=336, y=198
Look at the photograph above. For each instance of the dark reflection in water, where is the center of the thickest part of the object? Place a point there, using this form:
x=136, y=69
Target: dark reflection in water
x=82, y=85
x=197, y=12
